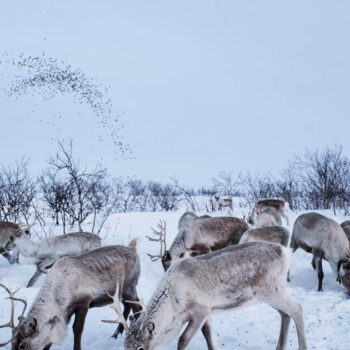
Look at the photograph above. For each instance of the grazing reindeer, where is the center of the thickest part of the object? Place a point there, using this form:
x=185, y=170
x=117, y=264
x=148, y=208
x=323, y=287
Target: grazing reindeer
x=201, y=235
x=346, y=227
x=72, y=286
x=269, y=217
x=325, y=239
x=193, y=288
x=6, y=230
x=224, y=202
x=46, y=252
x=261, y=205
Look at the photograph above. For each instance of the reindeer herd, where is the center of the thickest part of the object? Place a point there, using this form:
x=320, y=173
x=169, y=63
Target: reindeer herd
x=213, y=264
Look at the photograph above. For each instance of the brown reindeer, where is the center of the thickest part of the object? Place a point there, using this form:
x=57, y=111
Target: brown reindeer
x=201, y=235
x=72, y=286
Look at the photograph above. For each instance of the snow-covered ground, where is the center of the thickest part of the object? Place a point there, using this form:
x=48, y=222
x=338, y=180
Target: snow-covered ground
x=327, y=314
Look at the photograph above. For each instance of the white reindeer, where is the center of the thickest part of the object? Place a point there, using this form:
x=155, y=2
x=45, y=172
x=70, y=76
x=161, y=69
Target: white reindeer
x=193, y=288
x=46, y=252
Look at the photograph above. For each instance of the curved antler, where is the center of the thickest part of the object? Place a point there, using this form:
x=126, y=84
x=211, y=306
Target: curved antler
x=11, y=323
x=161, y=238
x=116, y=307
x=140, y=302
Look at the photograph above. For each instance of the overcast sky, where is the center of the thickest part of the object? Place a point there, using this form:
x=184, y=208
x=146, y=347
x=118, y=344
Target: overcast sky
x=201, y=86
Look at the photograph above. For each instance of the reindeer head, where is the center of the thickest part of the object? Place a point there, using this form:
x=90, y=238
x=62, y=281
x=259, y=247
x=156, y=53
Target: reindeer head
x=32, y=336
x=344, y=273
x=140, y=335
x=18, y=234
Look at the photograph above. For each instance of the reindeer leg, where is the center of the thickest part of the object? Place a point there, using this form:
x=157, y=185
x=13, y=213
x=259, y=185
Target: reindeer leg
x=283, y=214
x=192, y=327
x=78, y=326
x=282, y=340
x=207, y=335
x=288, y=307
x=120, y=329
x=34, y=278
x=318, y=261
x=313, y=264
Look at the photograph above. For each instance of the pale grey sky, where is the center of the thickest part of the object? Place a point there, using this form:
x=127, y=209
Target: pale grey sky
x=201, y=86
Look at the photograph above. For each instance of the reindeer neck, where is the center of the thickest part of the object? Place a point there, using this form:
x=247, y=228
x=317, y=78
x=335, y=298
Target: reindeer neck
x=161, y=312
x=26, y=247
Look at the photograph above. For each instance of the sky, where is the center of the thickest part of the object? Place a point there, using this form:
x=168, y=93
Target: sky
x=199, y=86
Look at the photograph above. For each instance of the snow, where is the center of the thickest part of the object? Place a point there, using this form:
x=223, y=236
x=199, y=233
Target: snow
x=326, y=314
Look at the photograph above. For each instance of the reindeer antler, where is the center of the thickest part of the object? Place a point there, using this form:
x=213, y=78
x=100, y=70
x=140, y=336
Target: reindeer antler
x=161, y=234
x=116, y=307
x=11, y=323
x=140, y=302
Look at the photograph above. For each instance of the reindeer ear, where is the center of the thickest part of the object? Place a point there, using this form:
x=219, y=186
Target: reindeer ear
x=150, y=327
x=30, y=327
x=53, y=321
x=166, y=256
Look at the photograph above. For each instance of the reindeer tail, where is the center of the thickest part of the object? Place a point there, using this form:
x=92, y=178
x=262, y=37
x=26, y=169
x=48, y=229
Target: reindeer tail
x=134, y=243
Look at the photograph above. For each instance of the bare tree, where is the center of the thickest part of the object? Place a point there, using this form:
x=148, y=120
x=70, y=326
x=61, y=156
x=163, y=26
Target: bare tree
x=186, y=194
x=321, y=173
x=87, y=187
x=258, y=187
x=227, y=184
x=162, y=197
x=58, y=195
x=17, y=191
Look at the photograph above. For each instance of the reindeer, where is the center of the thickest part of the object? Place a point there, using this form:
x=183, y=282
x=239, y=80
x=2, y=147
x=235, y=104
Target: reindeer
x=274, y=234
x=325, y=239
x=269, y=217
x=224, y=202
x=6, y=230
x=201, y=235
x=261, y=205
x=225, y=279
x=46, y=252
x=72, y=286
x=346, y=227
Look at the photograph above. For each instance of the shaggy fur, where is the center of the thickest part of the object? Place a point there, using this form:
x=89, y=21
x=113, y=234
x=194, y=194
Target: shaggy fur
x=228, y=278
x=46, y=252
x=6, y=230
x=261, y=205
x=325, y=239
x=274, y=234
x=72, y=286
x=200, y=235
x=346, y=227
x=269, y=217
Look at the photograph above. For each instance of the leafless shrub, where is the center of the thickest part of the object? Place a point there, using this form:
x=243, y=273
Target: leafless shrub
x=75, y=193
x=227, y=184
x=17, y=192
x=324, y=176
